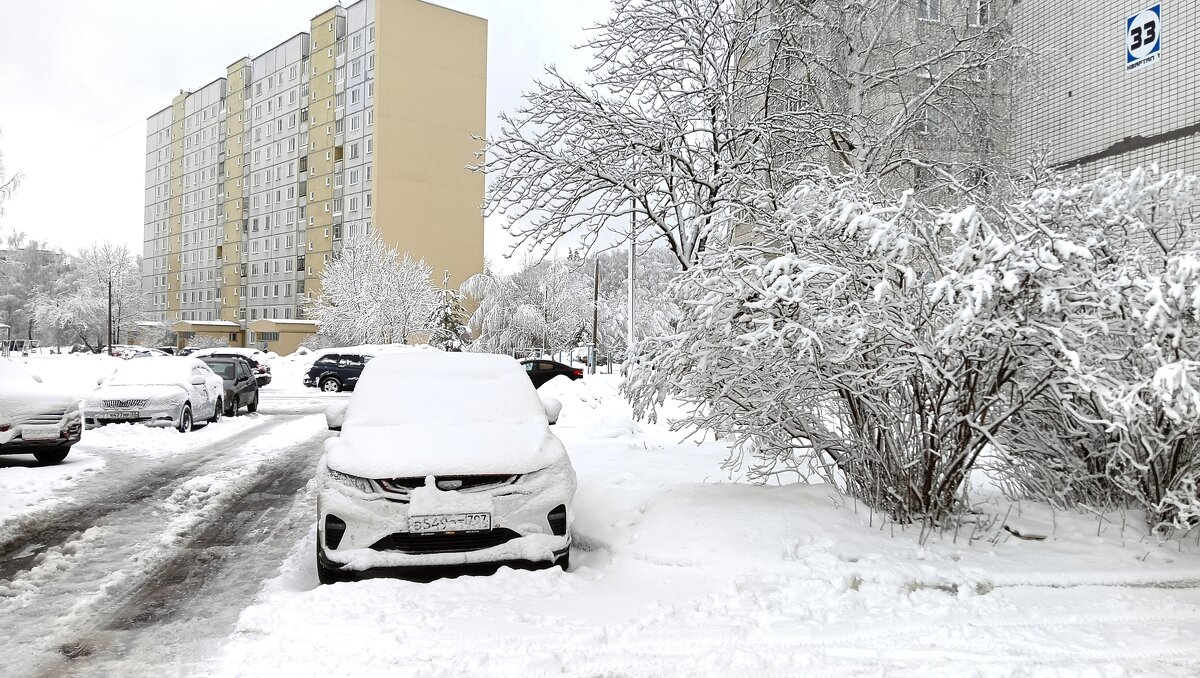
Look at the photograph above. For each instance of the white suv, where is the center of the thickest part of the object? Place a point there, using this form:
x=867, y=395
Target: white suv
x=443, y=459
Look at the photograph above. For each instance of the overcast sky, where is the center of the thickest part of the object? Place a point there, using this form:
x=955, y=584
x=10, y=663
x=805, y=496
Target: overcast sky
x=79, y=77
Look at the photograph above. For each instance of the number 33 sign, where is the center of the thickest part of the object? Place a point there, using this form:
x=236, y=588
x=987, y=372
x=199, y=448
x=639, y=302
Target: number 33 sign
x=1143, y=37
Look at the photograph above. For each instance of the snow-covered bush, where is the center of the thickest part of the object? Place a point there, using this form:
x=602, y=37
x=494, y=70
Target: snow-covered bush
x=884, y=345
x=207, y=341
x=1119, y=425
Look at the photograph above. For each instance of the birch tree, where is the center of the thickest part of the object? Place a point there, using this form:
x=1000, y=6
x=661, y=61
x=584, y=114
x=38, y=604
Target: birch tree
x=370, y=293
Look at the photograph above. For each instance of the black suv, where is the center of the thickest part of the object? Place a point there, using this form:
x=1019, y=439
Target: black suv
x=334, y=372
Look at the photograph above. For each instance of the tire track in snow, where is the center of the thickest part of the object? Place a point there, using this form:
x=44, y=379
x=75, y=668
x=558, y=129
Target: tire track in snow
x=39, y=532
x=190, y=593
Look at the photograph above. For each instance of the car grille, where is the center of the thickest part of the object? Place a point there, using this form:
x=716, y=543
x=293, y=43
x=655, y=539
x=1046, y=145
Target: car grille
x=127, y=404
x=419, y=544
x=479, y=483
x=44, y=418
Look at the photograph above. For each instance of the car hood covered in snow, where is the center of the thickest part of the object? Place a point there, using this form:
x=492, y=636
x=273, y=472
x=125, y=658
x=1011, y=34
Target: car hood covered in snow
x=443, y=414
x=22, y=398
x=406, y=452
x=153, y=392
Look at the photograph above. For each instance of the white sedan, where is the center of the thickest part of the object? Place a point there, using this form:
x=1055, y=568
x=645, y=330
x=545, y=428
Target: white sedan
x=443, y=459
x=159, y=391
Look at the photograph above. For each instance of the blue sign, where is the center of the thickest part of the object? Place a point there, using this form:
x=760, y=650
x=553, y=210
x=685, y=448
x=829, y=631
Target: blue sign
x=1143, y=37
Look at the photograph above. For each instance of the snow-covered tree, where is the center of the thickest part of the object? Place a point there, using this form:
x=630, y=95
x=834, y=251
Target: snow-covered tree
x=8, y=183
x=79, y=302
x=370, y=293
x=695, y=113
x=545, y=306
x=27, y=268
x=884, y=345
x=657, y=126
x=449, y=328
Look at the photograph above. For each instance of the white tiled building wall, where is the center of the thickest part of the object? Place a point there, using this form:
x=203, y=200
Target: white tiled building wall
x=155, y=225
x=1086, y=109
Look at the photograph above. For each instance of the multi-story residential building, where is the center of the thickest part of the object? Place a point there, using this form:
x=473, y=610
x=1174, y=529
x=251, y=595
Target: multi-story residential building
x=365, y=123
x=1115, y=84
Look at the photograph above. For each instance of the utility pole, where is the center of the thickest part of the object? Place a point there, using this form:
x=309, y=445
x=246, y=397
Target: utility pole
x=110, y=349
x=629, y=339
x=595, y=318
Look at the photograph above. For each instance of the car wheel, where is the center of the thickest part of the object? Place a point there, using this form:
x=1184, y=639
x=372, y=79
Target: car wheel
x=252, y=406
x=52, y=456
x=185, y=418
x=328, y=575
x=331, y=385
x=232, y=409
x=218, y=411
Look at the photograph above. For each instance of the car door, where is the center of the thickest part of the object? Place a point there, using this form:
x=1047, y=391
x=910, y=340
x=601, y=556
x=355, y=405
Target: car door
x=244, y=383
x=350, y=367
x=198, y=393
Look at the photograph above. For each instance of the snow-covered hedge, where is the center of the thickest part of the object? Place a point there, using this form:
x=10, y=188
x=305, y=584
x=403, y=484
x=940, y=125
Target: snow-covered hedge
x=886, y=345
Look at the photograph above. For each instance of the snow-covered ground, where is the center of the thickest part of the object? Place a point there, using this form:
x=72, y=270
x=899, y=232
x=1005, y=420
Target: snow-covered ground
x=678, y=570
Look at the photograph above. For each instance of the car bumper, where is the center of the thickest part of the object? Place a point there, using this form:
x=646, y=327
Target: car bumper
x=19, y=445
x=376, y=534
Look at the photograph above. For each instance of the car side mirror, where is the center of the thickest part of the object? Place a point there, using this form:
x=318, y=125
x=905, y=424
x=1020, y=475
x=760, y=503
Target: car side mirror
x=197, y=380
x=334, y=416
x=553, y=409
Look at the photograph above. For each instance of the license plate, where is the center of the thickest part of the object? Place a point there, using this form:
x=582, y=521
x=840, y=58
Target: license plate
x=46, y=432
x=450, y=522
x=121, y=414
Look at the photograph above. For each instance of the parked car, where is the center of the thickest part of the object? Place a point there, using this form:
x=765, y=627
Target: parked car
x=241, y=388
x=141, y=352
x=161, y=391
x=34, y=418
x=333, y=372
x=187, y=350
x=457, y=447
x=256, y=359
x=541, y=371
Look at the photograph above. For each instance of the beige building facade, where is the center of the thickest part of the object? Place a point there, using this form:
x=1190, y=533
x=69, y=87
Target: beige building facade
x=364, y=123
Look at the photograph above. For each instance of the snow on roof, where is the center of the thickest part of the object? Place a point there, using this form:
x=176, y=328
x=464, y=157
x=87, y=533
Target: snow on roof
x=251, y=352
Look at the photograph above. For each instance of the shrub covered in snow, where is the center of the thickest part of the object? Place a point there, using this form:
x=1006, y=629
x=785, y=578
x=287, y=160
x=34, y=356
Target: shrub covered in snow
x=884, y=344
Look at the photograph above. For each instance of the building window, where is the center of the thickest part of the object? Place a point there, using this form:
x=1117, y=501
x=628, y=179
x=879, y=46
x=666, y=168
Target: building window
x=929, y=10
x=980, y=12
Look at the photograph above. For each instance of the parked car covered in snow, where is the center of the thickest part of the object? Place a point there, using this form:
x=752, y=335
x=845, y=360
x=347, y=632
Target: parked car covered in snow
x=443, y=459
x=159, y=391
x=256, y=359
x=241, y=390
x=34, y=418
x=335, y=372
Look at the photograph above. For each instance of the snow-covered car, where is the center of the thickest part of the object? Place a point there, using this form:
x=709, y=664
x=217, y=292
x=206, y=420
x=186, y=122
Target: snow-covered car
x=159, y=391
x=256, y=359
x=142, y=352
x=34, y=418
x=443, y=459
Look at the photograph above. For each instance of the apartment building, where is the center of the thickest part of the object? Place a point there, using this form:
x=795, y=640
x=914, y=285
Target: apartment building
x=364, y=123
x=1115, y=83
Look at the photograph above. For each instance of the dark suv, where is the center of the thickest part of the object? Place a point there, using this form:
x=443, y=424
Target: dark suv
x=334, y=372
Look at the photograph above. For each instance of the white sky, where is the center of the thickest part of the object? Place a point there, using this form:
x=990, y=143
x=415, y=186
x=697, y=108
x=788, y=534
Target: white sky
x=79, y=77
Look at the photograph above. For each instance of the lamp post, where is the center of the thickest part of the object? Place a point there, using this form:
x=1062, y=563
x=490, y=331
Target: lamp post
x=629, y=338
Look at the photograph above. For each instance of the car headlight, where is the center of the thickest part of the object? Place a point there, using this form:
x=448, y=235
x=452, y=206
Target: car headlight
x=360, y=484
